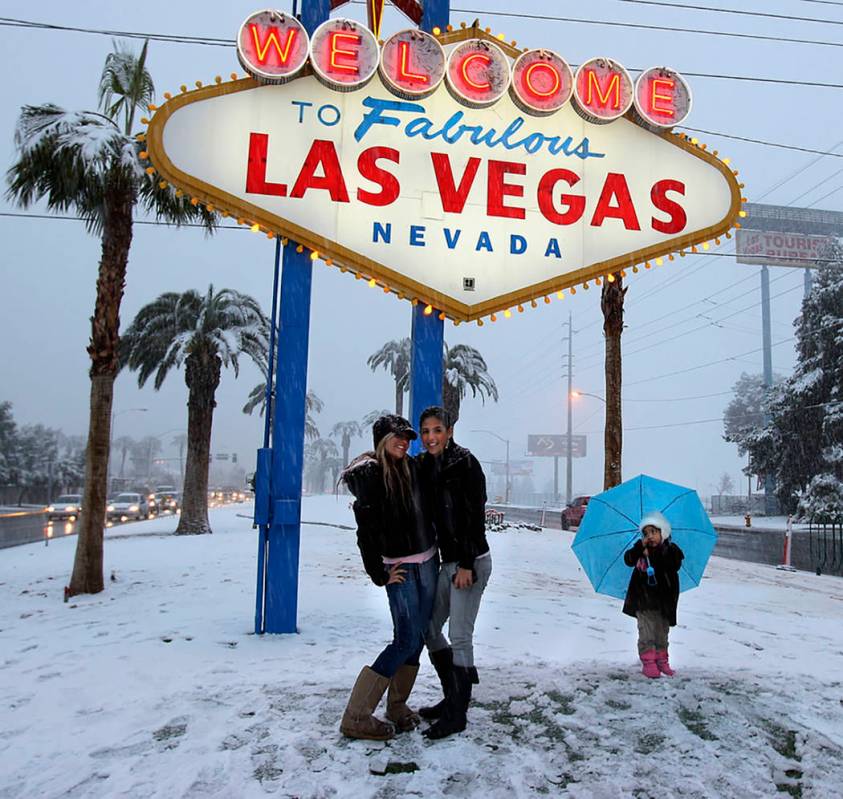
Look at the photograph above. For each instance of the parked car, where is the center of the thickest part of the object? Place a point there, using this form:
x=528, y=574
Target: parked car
x=128, y=506
x=167, y=501
x=67, y=506
x=573, y=512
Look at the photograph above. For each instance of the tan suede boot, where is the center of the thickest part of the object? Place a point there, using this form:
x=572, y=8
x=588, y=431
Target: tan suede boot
x=358, y=721
x=396, y=700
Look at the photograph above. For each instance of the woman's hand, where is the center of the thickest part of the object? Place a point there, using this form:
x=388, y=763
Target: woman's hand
x=463, y=578
x=396, y=574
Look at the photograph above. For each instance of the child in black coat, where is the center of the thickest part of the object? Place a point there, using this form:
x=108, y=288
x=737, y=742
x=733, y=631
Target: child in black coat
x=653, y=592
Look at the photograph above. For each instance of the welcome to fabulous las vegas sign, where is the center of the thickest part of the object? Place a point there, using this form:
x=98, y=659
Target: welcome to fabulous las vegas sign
x=451, y=169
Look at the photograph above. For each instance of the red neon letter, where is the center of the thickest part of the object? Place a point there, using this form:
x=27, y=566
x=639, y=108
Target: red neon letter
x=655, y=85
x=678, y=218
x=453, y=197
x=575, y=202
x=335, y=52
x=593, y=84
x=404, y=66
x=271, y=39
x=554, y=73
x=470, y=59
x=369, y=169
x=497, y=189
x=615, y=187
x=256, y=182
x=321, y=152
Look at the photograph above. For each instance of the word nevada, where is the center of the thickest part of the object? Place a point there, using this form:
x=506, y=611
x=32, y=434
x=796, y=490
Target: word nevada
x=344, y=55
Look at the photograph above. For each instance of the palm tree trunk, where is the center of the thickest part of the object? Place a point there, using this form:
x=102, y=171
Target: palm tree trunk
x=451, y=400
x=87, y=576
x=612, y=305
x=202, y=375
x=399, y=398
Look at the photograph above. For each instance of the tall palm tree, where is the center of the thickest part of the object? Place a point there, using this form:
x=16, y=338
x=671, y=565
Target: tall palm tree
x=124, y=446
x=87, y=162
x=611, y=303
x=372, y=416
x=394, y=356
x=204, y=333
x=312, y=405
x=321, y=457
x=345, y=431
x=464, y=369
x=180, y=441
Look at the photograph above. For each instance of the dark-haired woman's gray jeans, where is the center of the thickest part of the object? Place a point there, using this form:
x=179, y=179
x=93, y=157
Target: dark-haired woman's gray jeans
x=457, y=606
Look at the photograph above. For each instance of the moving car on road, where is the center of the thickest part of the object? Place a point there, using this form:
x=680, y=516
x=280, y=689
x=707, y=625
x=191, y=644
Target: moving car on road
x=67, y=506
x=572, y=514
x=128, y=506
x=167, y=501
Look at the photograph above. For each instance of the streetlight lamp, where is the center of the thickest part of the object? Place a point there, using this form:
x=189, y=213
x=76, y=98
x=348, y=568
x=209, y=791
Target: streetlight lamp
x=505, y=441
x=576, y=394
x=111, y=438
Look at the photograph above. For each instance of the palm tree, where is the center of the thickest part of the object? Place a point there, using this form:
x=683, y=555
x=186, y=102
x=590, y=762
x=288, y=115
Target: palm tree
x=124, y=446
x=180, y=441
x=204, y=333
x=394, y=356
x=312, y=405
x=464, y=369
x=320, y=456
x=346, y=431
x=611, y=303
x=372, y=416
x=87, y=162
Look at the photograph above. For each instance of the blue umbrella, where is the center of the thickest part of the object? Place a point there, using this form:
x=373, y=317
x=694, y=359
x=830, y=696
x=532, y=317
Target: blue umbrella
x=610, y=527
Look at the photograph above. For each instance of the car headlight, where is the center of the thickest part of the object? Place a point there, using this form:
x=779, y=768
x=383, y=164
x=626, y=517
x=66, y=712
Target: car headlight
x=110, y=507
x=133, y=508
x=71, y=509
x=50, y=508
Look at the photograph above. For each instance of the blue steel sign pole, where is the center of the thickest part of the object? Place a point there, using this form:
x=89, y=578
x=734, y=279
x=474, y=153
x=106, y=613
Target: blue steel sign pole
x=428, y=332
x=282, y=508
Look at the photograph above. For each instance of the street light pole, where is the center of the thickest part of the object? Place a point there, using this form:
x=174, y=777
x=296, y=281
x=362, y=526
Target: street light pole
x=505, y=441
x=569, y=479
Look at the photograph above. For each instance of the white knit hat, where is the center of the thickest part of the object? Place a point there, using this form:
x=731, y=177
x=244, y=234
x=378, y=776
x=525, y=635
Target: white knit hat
x=655, y=519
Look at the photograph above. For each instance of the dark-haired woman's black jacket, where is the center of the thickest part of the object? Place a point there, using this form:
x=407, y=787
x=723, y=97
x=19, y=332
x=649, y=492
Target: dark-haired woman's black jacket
x=665, y=559
x=454, y=489
x=385, y=526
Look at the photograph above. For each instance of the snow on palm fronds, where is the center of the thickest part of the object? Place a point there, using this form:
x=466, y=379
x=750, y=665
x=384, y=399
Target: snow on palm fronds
x=465, y=368
x=125, y=85
x=173, y=327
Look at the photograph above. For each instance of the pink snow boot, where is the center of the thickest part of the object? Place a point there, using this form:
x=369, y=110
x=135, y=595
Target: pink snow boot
x=663, y=663
x=648, y=660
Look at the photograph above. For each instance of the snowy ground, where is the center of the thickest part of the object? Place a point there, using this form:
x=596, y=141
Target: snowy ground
x=157, y=688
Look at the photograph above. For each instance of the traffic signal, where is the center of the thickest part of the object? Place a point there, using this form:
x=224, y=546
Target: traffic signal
x=234, y=457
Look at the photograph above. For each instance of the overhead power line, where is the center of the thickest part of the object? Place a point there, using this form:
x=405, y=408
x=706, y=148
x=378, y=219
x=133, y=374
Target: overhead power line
x=767, y=14
x=764, y=143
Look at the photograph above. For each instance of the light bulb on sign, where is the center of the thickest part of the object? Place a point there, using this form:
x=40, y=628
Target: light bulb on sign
x=542, y=82
x=344, y=54
x=412, y=64
x=478, y=73
x=272, y=47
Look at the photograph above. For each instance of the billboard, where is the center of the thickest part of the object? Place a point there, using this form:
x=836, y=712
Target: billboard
x=553, y=445
x=453, y=170
x=779, y=249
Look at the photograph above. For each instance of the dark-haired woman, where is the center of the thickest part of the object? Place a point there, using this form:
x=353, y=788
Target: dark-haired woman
x=454, y=487
x=399, y=551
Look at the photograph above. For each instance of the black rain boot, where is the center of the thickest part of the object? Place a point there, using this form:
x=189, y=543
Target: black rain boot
x=443, y=662
x=457, y=697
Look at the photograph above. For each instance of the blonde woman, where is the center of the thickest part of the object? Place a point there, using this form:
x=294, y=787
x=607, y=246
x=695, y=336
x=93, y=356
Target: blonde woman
x=399, y=551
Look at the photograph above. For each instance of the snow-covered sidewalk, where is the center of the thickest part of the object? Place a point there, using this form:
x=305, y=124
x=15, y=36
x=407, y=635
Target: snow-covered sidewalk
x=158, y=688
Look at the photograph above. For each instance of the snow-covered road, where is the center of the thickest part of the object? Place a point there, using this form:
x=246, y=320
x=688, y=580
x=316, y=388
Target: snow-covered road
x=158, y=688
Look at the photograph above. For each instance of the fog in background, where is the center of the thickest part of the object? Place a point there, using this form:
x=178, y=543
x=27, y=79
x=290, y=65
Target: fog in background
x=694, y=311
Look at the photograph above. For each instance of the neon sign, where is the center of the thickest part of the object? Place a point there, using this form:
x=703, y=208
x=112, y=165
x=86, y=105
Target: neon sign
x=410, y=178
x=272, y=46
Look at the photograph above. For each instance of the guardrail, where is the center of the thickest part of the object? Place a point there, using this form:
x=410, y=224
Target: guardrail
x=21, y=525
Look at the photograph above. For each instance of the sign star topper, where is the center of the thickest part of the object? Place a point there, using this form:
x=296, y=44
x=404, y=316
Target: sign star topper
x=374, y=9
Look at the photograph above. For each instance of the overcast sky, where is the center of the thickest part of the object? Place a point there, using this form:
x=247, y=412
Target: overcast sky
x=48, y=267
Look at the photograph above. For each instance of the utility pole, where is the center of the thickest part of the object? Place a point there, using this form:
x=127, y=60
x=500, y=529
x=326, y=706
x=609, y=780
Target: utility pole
x=767, y=342
x=569, y=479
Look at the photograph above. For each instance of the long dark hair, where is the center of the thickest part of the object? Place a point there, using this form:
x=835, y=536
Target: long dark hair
x=396, y=473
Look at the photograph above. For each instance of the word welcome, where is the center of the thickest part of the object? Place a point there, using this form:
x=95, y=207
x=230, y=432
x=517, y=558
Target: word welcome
x=274, y=47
